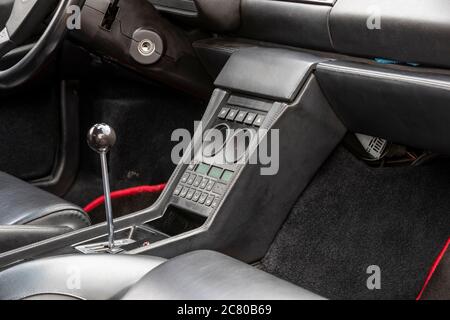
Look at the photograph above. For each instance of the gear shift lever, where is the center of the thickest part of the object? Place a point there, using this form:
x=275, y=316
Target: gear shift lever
x=101, y=138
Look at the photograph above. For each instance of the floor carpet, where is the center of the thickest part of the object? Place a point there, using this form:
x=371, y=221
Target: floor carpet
x=352, y=217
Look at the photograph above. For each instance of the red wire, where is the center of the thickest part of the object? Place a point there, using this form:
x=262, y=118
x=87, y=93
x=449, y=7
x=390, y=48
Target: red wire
x=433, y=268
x=124, y=193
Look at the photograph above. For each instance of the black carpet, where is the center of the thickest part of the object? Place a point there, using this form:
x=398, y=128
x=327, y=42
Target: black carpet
x=144, y=116
x=30, y=130
x=353, y=216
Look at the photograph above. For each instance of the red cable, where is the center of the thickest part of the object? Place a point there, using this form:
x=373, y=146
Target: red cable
x=433, y=268
x=124, y=193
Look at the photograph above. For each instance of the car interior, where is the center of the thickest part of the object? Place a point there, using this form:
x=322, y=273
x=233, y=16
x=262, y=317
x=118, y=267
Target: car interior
x=350, y=99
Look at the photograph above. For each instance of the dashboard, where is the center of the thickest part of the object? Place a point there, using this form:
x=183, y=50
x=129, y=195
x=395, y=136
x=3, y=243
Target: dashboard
x=397, y=30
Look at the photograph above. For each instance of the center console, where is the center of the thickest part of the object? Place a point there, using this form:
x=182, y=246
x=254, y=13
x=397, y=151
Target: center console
x=205, y=182
x=217, y=198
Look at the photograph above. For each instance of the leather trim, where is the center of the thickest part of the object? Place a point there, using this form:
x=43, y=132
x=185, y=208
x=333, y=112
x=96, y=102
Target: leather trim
x=13, y=237
x=94, y=277
x=22, y=203
x=413, y=110
x=277, y=74
x=409, y=31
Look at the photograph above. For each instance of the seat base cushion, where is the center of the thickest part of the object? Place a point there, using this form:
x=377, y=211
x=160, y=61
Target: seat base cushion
x=205, y=275
x=208, y=275
x=87, y=277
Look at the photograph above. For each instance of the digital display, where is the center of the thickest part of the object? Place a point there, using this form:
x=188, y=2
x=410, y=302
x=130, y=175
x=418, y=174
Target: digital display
x=202, y=168
x=215, y=172
x=227, y=175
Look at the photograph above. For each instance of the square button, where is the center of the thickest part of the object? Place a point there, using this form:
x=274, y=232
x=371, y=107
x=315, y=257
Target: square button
x=202, y=198
x=232, y=114
x=215, y=202
x=210, y=185
x=223, y=113
x=209, y=200
x=196, y=196
x=250, y=118
x=259, y=120
x=190, y=194
x=191, y=179
x=204, y=183
x=178, y=190
x=184, y=192
x=241, y=116
x=197, y=181
x=219, y=188
x=191, y=166
x=185, y=177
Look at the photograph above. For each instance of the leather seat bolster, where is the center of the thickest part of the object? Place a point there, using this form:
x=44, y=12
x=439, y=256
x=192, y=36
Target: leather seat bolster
x=89, y=277
x=13, y=237
x=209, y=275
x=22, y=203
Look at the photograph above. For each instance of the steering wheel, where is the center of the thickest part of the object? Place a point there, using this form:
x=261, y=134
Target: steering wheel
x=26, y=17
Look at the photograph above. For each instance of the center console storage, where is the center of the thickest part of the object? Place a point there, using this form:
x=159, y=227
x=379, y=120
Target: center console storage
x=175, y=221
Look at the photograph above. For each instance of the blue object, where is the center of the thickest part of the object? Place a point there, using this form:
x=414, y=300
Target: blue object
x=387, y=61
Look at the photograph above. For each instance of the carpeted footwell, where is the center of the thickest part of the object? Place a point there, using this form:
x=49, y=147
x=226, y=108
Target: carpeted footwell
x=352, y=217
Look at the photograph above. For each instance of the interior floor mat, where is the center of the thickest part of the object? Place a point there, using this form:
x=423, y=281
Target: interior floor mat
x=144, y=117
x=352, y=217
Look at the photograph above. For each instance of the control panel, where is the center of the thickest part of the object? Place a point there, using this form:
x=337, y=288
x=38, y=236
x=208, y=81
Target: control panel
x=205, y=182
x=239, y=115
x=202, y=186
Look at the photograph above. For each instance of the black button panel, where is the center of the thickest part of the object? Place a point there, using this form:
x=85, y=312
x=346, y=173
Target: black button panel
x=201, y=187
x=235, y=114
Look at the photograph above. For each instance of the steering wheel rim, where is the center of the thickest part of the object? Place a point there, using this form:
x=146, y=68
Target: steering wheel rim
x=49, y=41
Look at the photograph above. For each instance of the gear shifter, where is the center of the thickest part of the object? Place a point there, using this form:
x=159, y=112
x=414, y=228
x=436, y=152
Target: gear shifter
x=101, y=138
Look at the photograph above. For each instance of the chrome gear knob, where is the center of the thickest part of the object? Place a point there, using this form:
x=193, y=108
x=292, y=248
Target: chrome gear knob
x=101, y=138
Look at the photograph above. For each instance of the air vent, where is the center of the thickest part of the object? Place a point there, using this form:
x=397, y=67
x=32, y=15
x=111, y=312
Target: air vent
x=374, y=146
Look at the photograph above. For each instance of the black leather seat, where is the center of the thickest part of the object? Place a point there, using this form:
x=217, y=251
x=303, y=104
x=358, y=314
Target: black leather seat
x=196, y=275
x=29, y=214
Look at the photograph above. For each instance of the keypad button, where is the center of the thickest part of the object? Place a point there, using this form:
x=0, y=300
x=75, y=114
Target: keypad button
x=223, y=113
x=219, y=188
x=196, y=196
x=191, y=166
x=191, y=179
x=202, y=198
x=259, y=120
x=241, y=116
x=197, y=181
x=215, y=202
x=190, y=194
x=184, y=192
x=210, y=185
x=204, y=183
x=209, y=200
x=177, y=190
x=185, y=177
x=250, y=118
x=232, y=114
